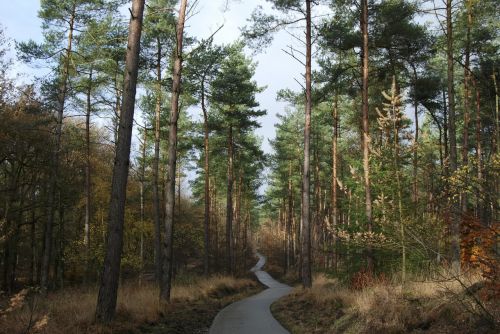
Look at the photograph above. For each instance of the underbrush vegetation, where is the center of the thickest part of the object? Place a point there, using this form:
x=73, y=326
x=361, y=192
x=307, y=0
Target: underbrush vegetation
x=194, y=304
x=438, y=306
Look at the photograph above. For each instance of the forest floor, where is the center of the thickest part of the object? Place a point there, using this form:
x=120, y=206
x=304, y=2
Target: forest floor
x=195, y=302
x=385, y=307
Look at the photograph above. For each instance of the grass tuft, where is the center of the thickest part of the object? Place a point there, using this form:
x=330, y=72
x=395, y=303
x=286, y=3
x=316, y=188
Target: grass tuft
x=72, y=310
x=384, y=307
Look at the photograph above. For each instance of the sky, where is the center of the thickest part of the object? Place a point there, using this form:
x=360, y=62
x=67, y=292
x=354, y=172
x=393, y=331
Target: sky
x=275, y=70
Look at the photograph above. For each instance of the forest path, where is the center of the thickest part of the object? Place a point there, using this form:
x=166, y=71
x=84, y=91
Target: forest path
x=252, y=315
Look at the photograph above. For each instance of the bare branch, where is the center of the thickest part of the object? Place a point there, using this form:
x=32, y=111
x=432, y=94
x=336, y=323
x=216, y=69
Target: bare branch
x=290, y=53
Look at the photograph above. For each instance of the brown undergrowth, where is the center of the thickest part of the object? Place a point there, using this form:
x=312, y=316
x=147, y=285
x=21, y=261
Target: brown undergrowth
x=384, y=307
x=72, y=310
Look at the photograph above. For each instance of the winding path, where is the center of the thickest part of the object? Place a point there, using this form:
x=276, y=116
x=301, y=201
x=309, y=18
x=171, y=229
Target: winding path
x=252, y=315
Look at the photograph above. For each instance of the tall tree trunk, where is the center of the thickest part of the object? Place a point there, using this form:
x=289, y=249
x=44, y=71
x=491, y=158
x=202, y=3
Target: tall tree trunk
x=237, y=211
x=415, y=143
x=229, y=207
x=289, y=217
x=306, y=215
x=156, y=162
x=215, y=219
x=88, y=194
x=166, y=285
x=446, y=143
x=335, y=136
x=334, y=162
x=497, y=121
x=206, y=147
x=59, y=261
x=316, y=221
x=33, y=254
x=6, y=252
x=397, y=169
x=54, y=173
x=497, y=142
x=106, y=301
x=11, y=232
x=141, y=191
x=441, y=161
x=179, y=184
x=366, y=129
x=13, y=244
x=465, y=132
x=118, y=105
x=479, y=157
x=455, y=219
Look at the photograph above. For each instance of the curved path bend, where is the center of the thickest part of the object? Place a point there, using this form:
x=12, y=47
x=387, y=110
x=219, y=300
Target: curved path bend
x=252, y=315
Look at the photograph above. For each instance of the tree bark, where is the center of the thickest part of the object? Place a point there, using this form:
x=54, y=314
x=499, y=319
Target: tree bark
x=141, y=192
x=445, y=136
x=229, y=204
x=156, y=162
x=335, y=209
x=415, y=144
x=366, y=129
x=465, y=132
x=455, y=219
x=237, y=211
x=86, y=237
x=306, y=274
x=33, y=253
x=106, y=301
x=497, y=121
x=479, y=157
x=206, y=147
x=166, y=285
x=334, y=161
x=289, y=218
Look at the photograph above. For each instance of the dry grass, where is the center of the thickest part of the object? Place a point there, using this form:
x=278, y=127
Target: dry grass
x=72, y=310
x=433, y=307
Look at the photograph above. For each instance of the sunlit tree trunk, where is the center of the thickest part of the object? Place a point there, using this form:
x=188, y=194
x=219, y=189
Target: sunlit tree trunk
x=455, y=219
x=479, y=156
x=306, y=275
x=465, y=132
x=445, y=136
x=366, y=129
x=106, y=301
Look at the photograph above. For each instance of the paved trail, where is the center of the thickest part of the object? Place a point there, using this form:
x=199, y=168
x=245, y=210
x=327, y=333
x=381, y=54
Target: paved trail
x=252, y=315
